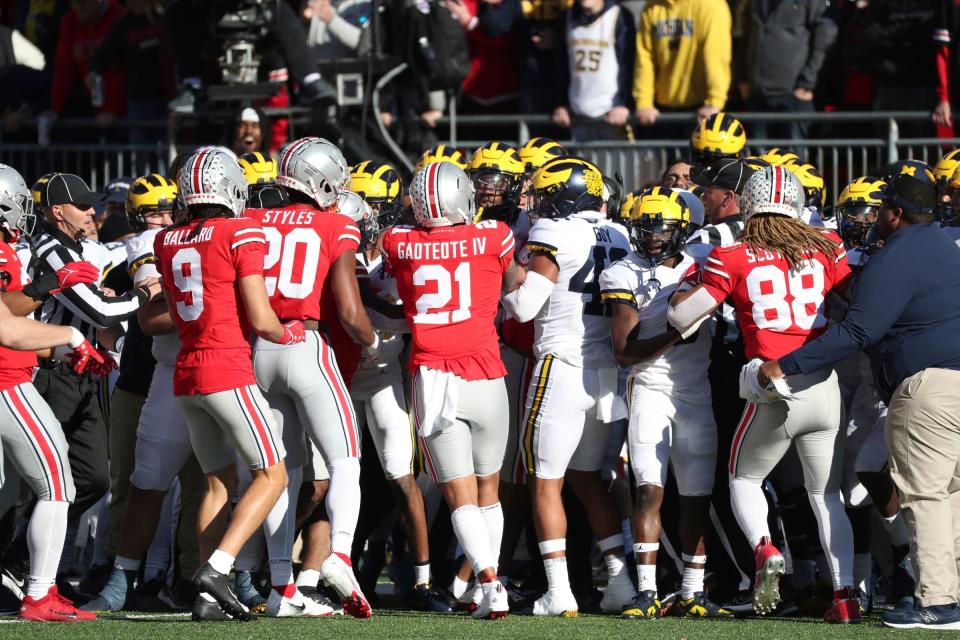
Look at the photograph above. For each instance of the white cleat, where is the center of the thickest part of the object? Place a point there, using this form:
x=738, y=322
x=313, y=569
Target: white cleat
x=339, y=575
x=296, y=606
x=551, y=603
x=471, y=598
x=619, y=593
x=494, y=604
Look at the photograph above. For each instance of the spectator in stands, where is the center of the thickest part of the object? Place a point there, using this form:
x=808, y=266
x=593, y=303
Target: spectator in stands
x=335, y=28
x=81, y=32
x=600, y=46
x=492, y=85
x=779, y=57
x=40, y=22
x=683, y=59
x=248, y=132
x=138, y=42
x=25, y=86
x=539, y=27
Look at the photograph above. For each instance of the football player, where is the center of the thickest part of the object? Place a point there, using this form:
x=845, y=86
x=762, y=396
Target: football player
x=31, y=437
x=260, y=171
x=442, y=153
x=719, y=136
x=944, y=171
x=778, y=257
x=212, y=265
x=497, y=173
x=572, y=397
x=671, y=416
x=816, y=194
x=378, y=391
x=449, y=275
x=162, y=449
x=311, y=253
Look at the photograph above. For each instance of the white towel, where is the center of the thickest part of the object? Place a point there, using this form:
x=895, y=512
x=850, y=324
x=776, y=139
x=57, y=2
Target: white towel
x=610, y=405
x=436, y=397
x=751, y=391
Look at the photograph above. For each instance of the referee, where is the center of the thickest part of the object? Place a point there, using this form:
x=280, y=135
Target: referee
x=906, y=303
x=67, y=205
x=722, y=182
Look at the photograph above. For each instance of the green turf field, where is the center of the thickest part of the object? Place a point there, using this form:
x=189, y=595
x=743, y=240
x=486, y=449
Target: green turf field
x=398, y=624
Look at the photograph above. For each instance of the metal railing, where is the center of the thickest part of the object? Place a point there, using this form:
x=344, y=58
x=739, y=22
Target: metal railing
x=839, y=155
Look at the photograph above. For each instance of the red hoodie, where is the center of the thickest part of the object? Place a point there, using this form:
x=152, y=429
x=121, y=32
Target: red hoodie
x=493, y=63
x=76, y=44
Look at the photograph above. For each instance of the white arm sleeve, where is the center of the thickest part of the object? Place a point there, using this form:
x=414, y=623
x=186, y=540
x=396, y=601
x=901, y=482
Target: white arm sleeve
x=525, y=302
x=686, y=316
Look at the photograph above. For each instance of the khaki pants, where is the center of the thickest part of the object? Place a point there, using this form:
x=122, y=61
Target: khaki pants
x=125, y=410
x=923, y=438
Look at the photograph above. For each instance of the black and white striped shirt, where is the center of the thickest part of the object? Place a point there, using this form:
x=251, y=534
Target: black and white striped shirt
x=84, y=306
x=722, y=234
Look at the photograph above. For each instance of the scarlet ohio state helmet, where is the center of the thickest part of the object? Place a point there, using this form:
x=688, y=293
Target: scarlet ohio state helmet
x=210, y=176
x=442, y=196
x=773, y=190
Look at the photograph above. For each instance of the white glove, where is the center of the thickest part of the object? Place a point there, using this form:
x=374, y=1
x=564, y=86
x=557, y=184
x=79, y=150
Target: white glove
x=370, y=352
x=751, y=391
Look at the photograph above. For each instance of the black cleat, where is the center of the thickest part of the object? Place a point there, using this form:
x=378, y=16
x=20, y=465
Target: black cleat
x=424, y=598
x=208, y=580
x=206, y=611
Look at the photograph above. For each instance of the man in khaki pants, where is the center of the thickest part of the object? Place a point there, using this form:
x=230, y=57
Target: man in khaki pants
x=906, y=303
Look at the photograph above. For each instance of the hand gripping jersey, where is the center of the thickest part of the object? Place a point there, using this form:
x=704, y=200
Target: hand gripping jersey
x=574, y=323
x=302, y=245
x=142, y=264
x=778, y=309
x=681, y=370
x=519, y=335
x=201, y=270
x=16, y=367
x=384, y=286
x=449, y=279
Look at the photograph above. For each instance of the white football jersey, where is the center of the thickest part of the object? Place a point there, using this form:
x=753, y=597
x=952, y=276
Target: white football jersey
x=391, y=344
x=574, y=323
x=681, y=370
x=142, y=264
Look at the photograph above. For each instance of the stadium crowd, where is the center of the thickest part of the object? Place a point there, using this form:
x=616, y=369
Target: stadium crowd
x=715, y=395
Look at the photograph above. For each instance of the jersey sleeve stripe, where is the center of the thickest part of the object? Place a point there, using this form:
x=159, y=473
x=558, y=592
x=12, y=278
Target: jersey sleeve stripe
x=542, y=247
x=714, y=260
x=507, y=249
x=139, y=262
x=239, y=243
x=621, y=296
x=722, y=274
x=241, y=232
x=349, y=236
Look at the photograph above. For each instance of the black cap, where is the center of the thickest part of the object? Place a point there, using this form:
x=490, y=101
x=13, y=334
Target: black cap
x=67, y=188
x=726, y=173
x=910, y=193
x=115, y=227
x=117, y=189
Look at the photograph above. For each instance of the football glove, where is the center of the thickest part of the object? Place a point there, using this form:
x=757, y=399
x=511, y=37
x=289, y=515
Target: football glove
x=293, y=333
x=76, y=273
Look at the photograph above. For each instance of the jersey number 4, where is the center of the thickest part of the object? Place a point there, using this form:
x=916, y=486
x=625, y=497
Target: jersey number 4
x=768, y=287
x=587, y=279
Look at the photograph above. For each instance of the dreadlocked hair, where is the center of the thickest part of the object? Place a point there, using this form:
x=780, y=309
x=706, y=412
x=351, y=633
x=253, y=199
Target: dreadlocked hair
x=197, y=214
x=794, y=239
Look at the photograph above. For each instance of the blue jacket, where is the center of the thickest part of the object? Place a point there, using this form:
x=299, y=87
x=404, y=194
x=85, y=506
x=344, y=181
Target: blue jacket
x=906, y=301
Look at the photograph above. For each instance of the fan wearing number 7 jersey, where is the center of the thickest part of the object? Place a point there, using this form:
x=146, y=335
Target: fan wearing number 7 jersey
x=450, y=275
x=311, y=253
x=572, y=397
x=778, y=276
x=211, y=264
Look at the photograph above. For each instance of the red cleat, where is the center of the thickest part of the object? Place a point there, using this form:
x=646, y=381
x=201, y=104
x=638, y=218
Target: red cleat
x=766, y=584
x=845, y=609
x=52, y=608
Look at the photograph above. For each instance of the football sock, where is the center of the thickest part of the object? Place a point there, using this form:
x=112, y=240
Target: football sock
x=472, y=533
x=836, y=536
x=749, y=505
x=556, y=568
x=45, y=534
x=421, y=573
x=691, y=583
x=897, y=528
x=343, y=503
x=279, y=528
x=221, y=561
x=493, y=519
x=459, y=587
x=862, y=571
x=308, y=578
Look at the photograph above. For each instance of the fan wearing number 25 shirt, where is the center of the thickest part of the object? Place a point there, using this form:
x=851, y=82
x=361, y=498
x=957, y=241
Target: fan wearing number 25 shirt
x=212, y=271
x=778, y=277
x=450, y=275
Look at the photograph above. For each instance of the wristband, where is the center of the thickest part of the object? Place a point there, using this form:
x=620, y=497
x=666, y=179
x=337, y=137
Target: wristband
x=76, y=339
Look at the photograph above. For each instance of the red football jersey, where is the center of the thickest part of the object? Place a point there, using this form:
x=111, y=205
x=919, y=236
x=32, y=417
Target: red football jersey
x=777, y=309
x=201, y=274
x=16, y=367
x=449, y=279
x=344, y=348
x=302, y=245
